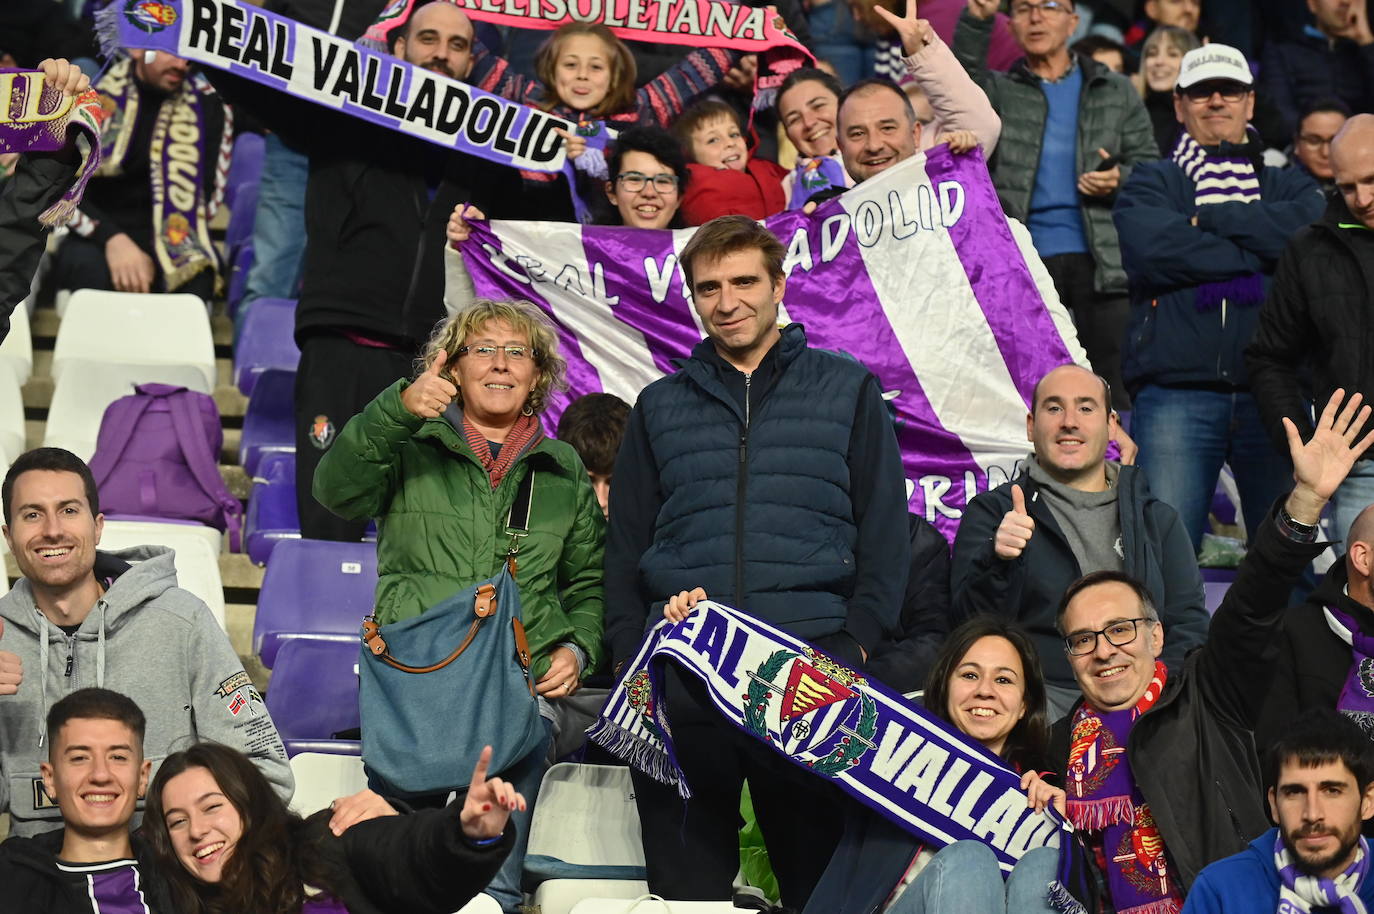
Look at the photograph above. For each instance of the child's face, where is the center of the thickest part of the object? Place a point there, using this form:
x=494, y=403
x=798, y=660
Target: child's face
x=718, y=143
x=582, y=73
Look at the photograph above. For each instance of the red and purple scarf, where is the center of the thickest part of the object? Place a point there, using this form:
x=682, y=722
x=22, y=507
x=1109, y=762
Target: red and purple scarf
x=525, y=434
x=1103, y=798
x=40, y=118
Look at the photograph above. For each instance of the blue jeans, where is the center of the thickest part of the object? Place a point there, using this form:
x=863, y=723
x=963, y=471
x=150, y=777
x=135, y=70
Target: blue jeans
x=1186, y=435
x=1354, y=495
x=279, y=226
x=835, y=38
x=964, y=877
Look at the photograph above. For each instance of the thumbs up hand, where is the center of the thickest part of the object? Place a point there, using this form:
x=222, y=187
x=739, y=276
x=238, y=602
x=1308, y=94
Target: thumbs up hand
x=431, y=393
x=1016, y=528
x=11, y=669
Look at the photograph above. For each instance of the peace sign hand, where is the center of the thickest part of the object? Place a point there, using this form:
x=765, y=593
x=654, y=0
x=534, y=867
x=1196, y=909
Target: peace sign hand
x=915, y=33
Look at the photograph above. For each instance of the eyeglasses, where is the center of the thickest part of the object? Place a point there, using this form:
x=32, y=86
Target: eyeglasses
x=487, y=353
x=1117, y=634
x=1314, y=141
x=1229, y=92
x=1046, y=8
x=634, y=181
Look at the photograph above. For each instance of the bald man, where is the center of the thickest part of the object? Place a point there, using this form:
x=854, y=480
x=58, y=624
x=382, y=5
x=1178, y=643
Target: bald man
x=1320, y=312
x=1327, y=651
x=1069, y=513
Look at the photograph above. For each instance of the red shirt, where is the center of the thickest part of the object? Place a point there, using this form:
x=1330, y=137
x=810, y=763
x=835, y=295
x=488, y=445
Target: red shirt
x=755, y=192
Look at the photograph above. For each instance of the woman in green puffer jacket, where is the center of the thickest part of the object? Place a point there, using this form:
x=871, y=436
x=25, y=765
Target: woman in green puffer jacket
x=437, y=461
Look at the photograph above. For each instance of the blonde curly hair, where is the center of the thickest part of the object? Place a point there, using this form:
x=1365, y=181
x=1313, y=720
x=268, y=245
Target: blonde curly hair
x=525, y=319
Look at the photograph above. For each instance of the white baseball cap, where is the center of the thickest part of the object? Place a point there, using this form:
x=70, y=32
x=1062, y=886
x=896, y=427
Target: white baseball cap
x=1213, y=61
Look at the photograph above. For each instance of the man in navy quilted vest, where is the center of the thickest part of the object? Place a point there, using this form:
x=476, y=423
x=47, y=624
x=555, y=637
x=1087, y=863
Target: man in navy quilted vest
x=115, y=620
x=763, y=474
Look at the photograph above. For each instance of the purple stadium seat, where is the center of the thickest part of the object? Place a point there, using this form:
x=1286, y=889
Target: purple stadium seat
x=245, y=165
x=313, y=587
x=269, y=424
x=295, y=747
x=238, y=276
x=241, y=216
x=265, y=340
x=1215, y=583
x=314, y=688
x=272, y=515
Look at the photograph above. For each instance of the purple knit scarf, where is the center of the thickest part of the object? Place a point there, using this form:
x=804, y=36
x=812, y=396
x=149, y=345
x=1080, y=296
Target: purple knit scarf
x=815, y=174
x=1225, y=173
x=1299, y=893
x=1357, y=695
x=39, y=118
x=1103, y=797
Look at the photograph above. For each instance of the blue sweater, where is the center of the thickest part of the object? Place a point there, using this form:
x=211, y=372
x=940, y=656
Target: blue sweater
x=1247, y=883
x=1056, y=221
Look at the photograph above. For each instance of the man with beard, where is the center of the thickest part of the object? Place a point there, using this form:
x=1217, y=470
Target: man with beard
x=1320, y=775
x=372, y=280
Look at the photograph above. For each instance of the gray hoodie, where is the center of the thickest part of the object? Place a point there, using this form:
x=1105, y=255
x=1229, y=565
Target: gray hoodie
x=148, y=639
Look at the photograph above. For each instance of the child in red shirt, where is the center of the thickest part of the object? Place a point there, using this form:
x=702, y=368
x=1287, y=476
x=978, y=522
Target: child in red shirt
x=725, y=179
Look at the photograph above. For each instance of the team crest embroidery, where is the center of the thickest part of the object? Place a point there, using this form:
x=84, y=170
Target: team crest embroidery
x=177, y=231
x=150, y=15
x=1367, y=676
x=1141, y=855
x=641, y=697
x=1093, y=754
x=822, y=717
x=321, y=432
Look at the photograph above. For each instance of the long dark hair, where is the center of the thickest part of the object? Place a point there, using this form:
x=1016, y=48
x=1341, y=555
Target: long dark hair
x=1027, y=745
x=271, y=864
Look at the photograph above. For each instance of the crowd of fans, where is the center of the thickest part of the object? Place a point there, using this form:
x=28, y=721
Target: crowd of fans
x=1192, y=180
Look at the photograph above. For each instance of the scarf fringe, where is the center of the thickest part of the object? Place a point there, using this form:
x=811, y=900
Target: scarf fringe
x=107, y=29
x=1095, y=815
x=1062, y=901
x=638, y=752
x=1163, y=906
x=59, y=214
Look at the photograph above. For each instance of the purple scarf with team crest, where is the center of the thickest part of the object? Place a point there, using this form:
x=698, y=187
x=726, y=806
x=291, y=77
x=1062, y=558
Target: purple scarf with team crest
x=1357, y=695
x=1103, y=798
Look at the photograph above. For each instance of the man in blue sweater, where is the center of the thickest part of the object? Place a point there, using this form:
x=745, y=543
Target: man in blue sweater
x=1321, y=776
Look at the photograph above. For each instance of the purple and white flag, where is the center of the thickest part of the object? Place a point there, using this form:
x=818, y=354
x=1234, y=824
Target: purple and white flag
x=915, y=273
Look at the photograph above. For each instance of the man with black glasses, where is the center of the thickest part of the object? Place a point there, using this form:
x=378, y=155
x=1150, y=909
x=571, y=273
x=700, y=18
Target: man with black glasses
x=1159, y=762
x=1201, y=234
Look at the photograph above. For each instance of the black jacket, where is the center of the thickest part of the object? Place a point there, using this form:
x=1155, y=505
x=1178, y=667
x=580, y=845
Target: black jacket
x=376, y=204
x=1319, y=316
x=1299, y=70
x=33, y=884
x=902, y=662
x=1156, y=548
x=419, y=863
x=1313, y=660
x=1192, y=754
x=37, y=184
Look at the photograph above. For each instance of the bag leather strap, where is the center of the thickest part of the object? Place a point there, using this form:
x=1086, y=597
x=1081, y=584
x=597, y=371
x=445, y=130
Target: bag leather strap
x=483, y=606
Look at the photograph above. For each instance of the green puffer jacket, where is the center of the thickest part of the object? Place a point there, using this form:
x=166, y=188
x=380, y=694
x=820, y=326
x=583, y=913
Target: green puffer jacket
x=1111, y=116
x=440, y=525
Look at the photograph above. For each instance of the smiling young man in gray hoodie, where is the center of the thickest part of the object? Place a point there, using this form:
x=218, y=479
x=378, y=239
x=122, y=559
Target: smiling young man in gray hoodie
x=115, y=620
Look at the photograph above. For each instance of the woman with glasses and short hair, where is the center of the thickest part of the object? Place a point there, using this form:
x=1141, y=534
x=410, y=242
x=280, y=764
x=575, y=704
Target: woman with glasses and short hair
x=438, y=460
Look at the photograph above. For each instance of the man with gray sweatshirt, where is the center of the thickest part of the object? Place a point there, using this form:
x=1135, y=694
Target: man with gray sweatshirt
x=118, y=621
x=1071, y=512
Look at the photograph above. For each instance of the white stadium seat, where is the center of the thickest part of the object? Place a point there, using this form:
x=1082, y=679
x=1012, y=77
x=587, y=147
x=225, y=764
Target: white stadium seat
x=197, y=566
x=152, y=329
x=321, y=778
x=12, y=435
x=17, y=349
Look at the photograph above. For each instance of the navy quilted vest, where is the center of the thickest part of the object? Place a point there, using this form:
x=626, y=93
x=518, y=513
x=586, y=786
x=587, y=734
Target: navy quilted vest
x=758, y=515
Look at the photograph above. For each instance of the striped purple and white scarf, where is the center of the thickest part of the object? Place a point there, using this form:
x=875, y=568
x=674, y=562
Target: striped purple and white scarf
x=1300, y=893
x=1222, y=174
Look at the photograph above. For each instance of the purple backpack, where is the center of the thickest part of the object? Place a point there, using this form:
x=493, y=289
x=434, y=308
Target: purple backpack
x=157, y=454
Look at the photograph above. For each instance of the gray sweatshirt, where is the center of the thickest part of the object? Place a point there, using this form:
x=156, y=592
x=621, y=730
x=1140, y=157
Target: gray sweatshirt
x=148, y=639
